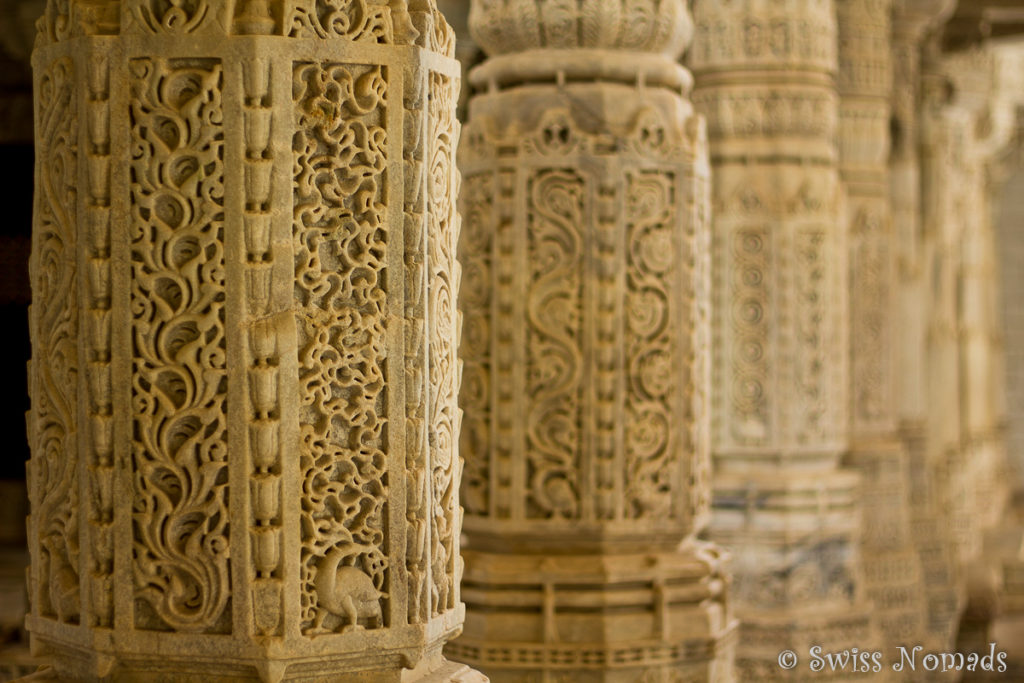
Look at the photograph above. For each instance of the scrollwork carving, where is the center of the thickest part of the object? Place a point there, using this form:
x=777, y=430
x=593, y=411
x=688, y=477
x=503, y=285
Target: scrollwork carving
x=176, y=16
x=554, y=372
x=603, y=391
x=55, y=362
x=445, y=326
x=179, y=380
x=358, y=20
x=652, y=261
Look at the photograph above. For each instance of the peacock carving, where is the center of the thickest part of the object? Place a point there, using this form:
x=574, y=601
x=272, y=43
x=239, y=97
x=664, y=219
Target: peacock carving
x=347, y=592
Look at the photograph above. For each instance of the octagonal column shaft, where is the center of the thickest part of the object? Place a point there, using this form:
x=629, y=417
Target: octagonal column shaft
x=585, y=196
x=244, y=419
x=766, y=80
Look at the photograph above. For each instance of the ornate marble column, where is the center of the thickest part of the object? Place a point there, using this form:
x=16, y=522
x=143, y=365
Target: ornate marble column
x=765, y=78
x=981, y=124
x=892, y=568
x=244, y=415
x=912, y=22
x=586, y=351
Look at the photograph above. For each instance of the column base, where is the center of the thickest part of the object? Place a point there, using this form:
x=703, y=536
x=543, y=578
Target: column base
x=443, y=671
x=368, y=665
x=766, y=637
x=652, y=617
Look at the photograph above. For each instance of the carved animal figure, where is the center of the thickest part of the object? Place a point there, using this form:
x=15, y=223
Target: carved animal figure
x=346, y=592
x=62, y=582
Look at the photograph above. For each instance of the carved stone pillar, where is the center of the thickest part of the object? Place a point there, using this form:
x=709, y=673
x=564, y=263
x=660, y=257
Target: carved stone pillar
x=244, y=416
x=765, y=75
x=892, y=568
x=981, y=121
x=585, y=348
x=912, y=21
x=941, y=176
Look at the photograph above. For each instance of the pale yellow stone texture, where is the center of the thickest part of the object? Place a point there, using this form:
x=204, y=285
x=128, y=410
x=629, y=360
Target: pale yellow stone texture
x=586, y=351
x=244, y=422
x=766, y=80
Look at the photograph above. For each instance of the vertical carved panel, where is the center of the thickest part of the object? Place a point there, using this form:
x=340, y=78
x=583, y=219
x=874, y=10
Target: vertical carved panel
x=477, y=297
x=607, y=392
x=179, y=381
x=654, y=375
x=508, y=383
x=811, y=329
x=340, y=244
x=263, y=353
x=55, y=366
x=417, y=507
x=554, y=373
x=445, y=328
x=869, y=317
x=749, y=294
x=605, y=312
x=98, y=346
x=699, y=231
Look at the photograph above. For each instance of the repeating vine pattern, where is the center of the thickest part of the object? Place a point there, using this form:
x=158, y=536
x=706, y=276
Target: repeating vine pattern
x=652, y=440
x=341, y=244
x=445, y=325
x=609, y=324
x=554, y=372
x=417, y=515
x=55, y=363
x=179, y=380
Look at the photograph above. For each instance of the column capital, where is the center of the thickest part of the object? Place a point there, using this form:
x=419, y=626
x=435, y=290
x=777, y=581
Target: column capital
x=652, y=26
x=795, y=36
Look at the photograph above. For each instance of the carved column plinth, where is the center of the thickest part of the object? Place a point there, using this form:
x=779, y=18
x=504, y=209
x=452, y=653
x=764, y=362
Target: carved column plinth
x=765, y=79
x=585, y=348
x=244, y=382
x=892, y=568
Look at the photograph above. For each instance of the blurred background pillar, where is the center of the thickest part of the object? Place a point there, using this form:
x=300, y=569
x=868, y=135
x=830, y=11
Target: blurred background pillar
x=586, y=351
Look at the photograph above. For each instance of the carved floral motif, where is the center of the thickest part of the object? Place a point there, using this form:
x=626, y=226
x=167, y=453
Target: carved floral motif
x=607, y=321
x=179, y=380
x=55, y=365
